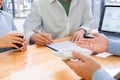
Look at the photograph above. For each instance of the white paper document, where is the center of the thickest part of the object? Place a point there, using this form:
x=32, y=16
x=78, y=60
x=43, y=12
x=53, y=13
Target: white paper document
x=112, y=69
x=104, y=55
x=68, y=46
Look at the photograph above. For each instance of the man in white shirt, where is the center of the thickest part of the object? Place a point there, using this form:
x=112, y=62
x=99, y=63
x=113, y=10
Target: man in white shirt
x=48, y=20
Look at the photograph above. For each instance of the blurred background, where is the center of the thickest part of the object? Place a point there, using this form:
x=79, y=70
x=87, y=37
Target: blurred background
x=19, y=9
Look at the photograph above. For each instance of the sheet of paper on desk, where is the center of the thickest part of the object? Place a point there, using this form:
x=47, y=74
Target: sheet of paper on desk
x=104, y=55
x=33, y=73
x=68, y=45
x=113, y=70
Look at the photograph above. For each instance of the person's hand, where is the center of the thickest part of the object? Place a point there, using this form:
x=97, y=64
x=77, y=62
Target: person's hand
x=41, y=38
x=10, y=40
x=78, y=35
x=24, y=45
x=98, y=44
x=84, y=67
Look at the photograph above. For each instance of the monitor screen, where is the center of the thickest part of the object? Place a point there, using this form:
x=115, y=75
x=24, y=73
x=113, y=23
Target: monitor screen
x=111, y=20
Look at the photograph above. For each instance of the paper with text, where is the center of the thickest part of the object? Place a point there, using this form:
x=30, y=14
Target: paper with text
x=68, y=46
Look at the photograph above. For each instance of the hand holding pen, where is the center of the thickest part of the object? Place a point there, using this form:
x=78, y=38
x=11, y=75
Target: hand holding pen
x=42, y=38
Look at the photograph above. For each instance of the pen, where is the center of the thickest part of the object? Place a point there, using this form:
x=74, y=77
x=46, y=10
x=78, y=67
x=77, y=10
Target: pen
x=51, y=48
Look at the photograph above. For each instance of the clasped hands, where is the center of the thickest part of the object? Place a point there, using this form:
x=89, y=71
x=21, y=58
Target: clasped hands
x=11, y=39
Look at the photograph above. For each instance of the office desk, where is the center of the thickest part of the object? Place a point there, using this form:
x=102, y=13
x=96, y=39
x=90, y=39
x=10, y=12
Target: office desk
x=37, y=63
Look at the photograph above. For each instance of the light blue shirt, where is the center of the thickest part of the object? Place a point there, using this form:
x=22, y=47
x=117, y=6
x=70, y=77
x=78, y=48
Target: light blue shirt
x=50, y=15
x=100, y=74
x=6, y=25
x=114, y=47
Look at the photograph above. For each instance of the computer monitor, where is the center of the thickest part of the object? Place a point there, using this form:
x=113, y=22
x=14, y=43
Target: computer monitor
x=111, y=20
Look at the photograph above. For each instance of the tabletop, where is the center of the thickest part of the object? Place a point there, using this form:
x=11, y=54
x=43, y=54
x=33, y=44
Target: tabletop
x=37, y=63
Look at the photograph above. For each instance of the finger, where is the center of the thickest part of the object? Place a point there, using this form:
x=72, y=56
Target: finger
x=43, y=39
x=86, y=39
x=78, y=37
x=80, y=56
x=17, y=39
x=83, y=41
x=17, y=42
x=81, y=37
x=16, y=34
x=24, y=38
x=79, y=43
x=89, y=44
x=46, y=36
x=70, y=63
x=45, y=42
x=74, y=64
x=40, y=42
x=74, y=36
x=24, y=46
x=49, y=37
x=96, y=34
x=25, y=43
x=84, y=44
x=102, y=35
x=14, y=46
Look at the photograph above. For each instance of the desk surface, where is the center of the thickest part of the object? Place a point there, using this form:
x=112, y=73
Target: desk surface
x=37, y=63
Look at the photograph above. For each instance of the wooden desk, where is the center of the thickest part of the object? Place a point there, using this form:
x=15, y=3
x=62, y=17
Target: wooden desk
x=37, y=63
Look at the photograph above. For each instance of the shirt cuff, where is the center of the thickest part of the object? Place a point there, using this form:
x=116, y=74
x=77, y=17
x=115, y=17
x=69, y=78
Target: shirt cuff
x=86, y=28
x=28, y=35
x=113, y=47
x=100, y=74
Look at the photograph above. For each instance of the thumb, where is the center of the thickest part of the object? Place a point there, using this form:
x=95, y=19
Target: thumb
x=95, y=34
x=80, y=56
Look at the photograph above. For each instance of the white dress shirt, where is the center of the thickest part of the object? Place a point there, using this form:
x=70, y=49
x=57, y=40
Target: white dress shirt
x=50, y=16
